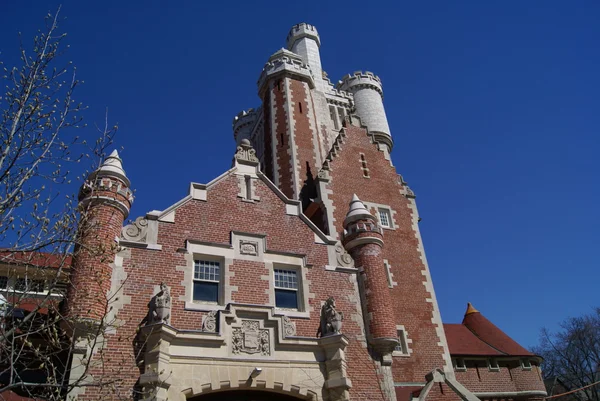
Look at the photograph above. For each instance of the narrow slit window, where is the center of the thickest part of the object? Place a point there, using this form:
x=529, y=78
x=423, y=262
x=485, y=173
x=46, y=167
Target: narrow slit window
x=248, y=187
x=300, y=107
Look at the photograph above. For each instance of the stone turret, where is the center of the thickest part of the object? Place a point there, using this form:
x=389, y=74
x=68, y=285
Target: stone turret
x=243, y=123
x=363, y=239
x=303, y=39
x=105, y=201
x=368, y=101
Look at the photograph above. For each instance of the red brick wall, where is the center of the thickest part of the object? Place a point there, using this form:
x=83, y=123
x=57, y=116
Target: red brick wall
x=90, y=276
x=400, y=248
x=304, y=137
x=213, y=221
x=510, y=378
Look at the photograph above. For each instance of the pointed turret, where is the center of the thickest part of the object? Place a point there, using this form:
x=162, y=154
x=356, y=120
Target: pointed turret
x=363, y=239
x=491, y=334
x=104, y=202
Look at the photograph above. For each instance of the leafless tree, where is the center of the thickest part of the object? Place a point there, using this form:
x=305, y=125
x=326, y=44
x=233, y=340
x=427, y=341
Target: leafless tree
x=42, y=156
x=572, y=354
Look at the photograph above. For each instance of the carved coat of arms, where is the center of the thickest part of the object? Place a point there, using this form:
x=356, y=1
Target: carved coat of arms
x=250, y=339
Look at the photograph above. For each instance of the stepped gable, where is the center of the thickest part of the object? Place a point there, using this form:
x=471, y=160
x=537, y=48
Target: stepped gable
x=491, y=334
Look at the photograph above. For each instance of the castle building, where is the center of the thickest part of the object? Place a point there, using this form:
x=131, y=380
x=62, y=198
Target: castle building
x=297, y=274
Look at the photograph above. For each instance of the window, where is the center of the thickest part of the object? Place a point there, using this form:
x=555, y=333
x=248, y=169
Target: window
x=21, y=284
x=401, y=349
x=459, y=365
x=24, y=285
x=286, y=289
x=333, y=118
x=526, y=364
x=207, y=277
x=493, y=365
x=3, y=282
x=384, y=218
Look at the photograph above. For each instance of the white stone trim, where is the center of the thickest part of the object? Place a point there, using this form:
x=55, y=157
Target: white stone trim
x=389, y=274
x=291, y=132
x=436, y=317
x=116, y=295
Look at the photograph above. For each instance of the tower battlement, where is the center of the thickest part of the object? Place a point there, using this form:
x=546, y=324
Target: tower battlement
x=360, y=79
x=285, y=62
x=302, y=30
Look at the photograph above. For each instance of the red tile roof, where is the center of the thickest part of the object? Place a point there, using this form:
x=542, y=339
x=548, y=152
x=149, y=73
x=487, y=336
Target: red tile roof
x=38, y=259
x=491, y=334
x=461, y=341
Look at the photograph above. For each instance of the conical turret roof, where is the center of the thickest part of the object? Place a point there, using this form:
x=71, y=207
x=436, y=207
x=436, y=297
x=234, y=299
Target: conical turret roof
x=357, y=211
x=112, y=167
x=491, y=334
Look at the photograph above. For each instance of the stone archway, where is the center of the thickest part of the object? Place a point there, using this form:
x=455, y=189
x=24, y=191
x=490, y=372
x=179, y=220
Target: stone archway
x=245, y=395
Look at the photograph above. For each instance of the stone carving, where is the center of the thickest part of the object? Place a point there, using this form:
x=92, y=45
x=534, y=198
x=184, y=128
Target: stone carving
x=210, y=322
x=409, y=193
x=331, y=319
x=289, y=327
x=137, y=231
x=250, y=339
x=343, y=258
x=159, y=308
x=249, y=248
x=246, y=152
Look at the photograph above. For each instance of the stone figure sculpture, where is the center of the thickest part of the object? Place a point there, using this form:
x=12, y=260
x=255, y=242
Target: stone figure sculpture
x=331, y=319
x=159, y=308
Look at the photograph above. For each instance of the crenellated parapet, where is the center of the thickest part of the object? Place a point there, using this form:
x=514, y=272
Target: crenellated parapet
x=285, y=63
x=367, y=91
x=360, y=80
x=243, y=123
x=302, y=30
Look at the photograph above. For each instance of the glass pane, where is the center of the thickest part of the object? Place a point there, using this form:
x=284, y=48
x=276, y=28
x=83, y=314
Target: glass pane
x=206, y=291
x=384, y=217
x=3, y=282
x=286, y=279
x=207, y=270
x=286, y=299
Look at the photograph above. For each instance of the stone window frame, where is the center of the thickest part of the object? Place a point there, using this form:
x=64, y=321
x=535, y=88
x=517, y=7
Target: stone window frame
x=221, y=287
x=379, y=206
x=297, y=290
x=459, y=364
x=403, y=338
x=287, y=262
x=205, y=251
x=227, y=253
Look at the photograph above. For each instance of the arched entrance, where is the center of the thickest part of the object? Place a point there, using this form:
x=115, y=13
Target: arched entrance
x=245, y=395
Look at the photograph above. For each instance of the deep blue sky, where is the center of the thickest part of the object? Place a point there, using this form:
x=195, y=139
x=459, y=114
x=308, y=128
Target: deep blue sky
x=493, y=106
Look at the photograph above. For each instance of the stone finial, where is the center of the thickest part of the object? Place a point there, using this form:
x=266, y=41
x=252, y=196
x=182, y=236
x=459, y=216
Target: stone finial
x=331, y=319
x=159, y=308
x=245, y=152
x=357, y=211
x=470, y=309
